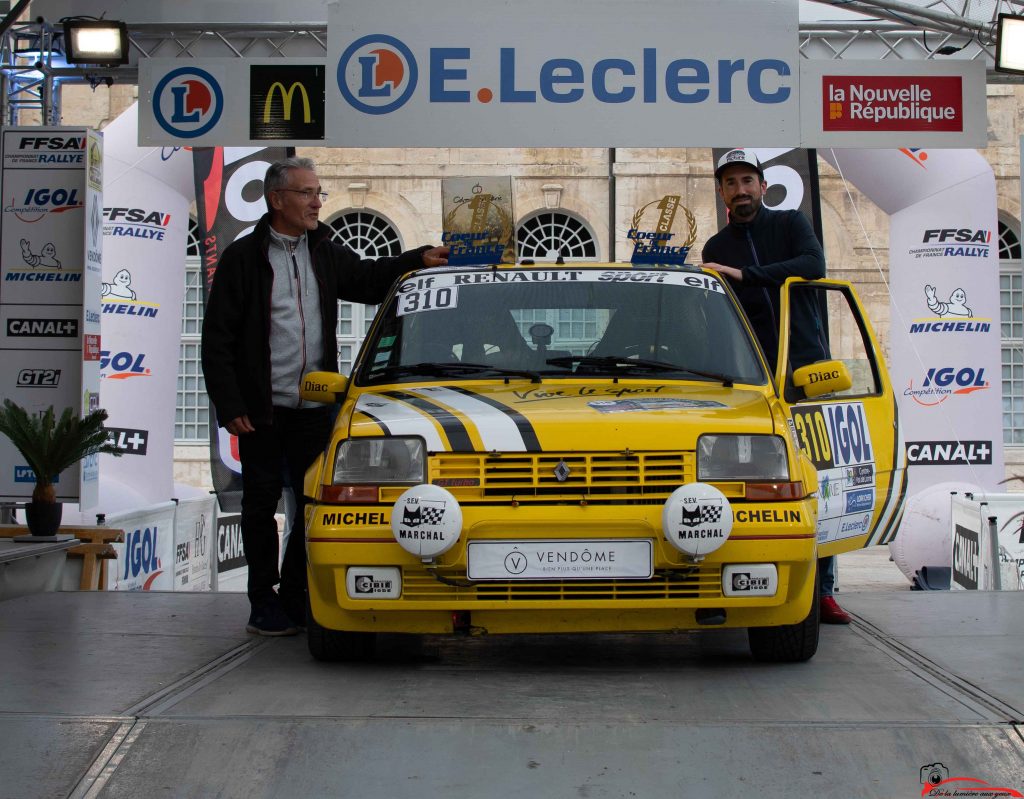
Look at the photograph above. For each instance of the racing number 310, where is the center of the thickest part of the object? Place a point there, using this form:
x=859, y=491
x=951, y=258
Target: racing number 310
x=812, y=429
x=429, y=300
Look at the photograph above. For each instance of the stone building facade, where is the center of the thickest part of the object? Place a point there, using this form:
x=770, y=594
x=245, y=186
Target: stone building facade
x=403, y=187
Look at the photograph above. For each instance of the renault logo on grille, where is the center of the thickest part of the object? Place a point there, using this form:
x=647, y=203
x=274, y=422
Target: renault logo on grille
x=562, y=471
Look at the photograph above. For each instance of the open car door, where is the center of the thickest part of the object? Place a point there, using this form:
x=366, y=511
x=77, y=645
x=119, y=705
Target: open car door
x=844, y=414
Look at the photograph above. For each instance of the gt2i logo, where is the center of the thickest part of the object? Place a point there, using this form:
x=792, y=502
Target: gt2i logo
x=39, y=378
x=940, y=383
x=378, y=74
x=188, y=102
x=834, y=435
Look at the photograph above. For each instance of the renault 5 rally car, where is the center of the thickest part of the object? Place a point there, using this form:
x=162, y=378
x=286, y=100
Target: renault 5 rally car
x=581, y=447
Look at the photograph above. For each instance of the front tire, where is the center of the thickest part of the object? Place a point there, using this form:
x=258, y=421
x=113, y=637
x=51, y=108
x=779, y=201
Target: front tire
x=788, y=643
x=337, y=646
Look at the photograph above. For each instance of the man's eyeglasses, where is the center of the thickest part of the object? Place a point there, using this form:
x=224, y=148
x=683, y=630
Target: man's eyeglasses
x=308, y=194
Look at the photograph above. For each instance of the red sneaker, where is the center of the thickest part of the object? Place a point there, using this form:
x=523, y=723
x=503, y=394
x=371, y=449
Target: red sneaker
x=831, y=613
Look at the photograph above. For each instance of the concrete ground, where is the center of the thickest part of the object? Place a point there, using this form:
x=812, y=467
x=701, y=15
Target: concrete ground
x=164, y=695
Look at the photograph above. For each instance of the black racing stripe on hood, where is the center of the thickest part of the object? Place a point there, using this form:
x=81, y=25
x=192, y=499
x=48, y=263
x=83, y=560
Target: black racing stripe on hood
x=454, y=429
x=530, y=440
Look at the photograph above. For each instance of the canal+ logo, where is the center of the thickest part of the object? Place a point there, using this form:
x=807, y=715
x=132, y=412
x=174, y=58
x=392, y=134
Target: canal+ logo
x=377, y=74
x=188, y=102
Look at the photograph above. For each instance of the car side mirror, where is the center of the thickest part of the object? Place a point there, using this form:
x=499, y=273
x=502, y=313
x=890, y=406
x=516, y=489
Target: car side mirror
x=822, y=377
x=325, y=387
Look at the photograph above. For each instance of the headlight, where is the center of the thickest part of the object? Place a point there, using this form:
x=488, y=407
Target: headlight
x=380, y=460
x=730, y=457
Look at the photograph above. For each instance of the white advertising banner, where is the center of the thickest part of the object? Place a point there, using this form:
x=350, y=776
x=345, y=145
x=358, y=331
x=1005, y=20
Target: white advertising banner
x=593, y=73
x=945, y=358
x=195, y=526
x=145, y=224
x=145, y=560
x=945, y=335
x=975, y=565
x=403, y=73
x=889, y=103
x=50, y=261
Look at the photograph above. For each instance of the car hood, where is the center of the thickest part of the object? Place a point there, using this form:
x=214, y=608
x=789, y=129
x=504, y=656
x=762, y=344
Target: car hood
x=557, y=415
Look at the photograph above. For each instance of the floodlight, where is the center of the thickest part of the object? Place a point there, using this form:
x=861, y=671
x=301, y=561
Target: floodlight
x=96, y=42
x=1010, y=44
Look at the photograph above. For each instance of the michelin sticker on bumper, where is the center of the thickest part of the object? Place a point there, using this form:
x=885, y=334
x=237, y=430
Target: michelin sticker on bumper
x=426, y=521
x=696, y=519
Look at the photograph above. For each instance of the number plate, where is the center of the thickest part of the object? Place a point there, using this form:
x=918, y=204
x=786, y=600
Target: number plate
x=620, y=559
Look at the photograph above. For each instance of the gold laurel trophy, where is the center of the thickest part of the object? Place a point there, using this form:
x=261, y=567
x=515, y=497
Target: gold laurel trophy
x=661, y=245
x=479, y=223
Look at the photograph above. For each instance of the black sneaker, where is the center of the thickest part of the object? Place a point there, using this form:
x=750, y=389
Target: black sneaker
x=294, y=606
x=270, y=619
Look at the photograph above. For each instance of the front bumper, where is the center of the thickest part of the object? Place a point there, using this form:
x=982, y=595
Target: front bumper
x=436, y=596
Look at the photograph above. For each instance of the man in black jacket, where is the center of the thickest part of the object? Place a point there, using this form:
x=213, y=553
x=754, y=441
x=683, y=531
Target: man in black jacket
x=270, y=318
x=756, y=251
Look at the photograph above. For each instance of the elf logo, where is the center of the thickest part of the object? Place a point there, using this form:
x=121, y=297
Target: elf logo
x=122, y=365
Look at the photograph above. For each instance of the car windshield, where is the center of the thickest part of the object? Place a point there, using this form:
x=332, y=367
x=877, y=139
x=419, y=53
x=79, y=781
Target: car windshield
x=534, y=324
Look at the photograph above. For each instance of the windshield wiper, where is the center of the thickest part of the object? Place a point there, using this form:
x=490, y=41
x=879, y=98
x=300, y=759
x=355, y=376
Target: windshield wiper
x=448, y=368
x=617, y=362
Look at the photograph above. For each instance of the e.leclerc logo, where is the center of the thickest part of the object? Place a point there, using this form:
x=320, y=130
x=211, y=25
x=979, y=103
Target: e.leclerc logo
x=377, y=74
x=188, y=102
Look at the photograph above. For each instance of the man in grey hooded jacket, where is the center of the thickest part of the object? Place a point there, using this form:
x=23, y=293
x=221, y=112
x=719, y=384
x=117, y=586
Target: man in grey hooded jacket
x=270, y=318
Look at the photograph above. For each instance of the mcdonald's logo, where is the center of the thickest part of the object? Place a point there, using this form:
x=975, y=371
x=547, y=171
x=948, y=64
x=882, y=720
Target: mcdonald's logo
x=286, y=103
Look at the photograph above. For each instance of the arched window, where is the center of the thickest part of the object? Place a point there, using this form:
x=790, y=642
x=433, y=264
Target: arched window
x=547, y=234
x=1011, y=323
x=371, y=236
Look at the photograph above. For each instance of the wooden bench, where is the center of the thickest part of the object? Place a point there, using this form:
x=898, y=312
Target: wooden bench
x=95, y=548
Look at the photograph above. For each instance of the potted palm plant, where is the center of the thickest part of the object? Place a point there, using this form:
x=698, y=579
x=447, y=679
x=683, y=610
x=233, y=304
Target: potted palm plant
x=50, y=445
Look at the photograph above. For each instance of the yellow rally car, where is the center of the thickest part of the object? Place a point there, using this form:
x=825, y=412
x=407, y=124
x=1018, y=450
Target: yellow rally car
x=593, y=447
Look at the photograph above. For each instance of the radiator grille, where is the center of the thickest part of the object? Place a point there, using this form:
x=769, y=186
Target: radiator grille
x=702, y=583
x=626, y=476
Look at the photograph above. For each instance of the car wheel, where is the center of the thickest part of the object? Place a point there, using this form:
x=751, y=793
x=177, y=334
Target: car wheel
x=334, y=646
x=788, y=643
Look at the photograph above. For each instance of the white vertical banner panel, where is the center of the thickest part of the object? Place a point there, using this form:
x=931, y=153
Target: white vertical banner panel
x=43, y=260
x=145, y=561
x=144, y=238
x=945, y=334
x=195, y=524
x=92, y=279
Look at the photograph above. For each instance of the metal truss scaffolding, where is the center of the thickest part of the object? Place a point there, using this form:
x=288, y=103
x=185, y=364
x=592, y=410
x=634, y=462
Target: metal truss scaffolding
x=32, y=67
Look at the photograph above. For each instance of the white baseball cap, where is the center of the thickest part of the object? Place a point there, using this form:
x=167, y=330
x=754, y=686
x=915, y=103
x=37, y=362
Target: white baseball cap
x=738, y=156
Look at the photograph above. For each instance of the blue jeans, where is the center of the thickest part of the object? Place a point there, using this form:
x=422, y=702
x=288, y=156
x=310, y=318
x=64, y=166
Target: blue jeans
x=827, y=575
